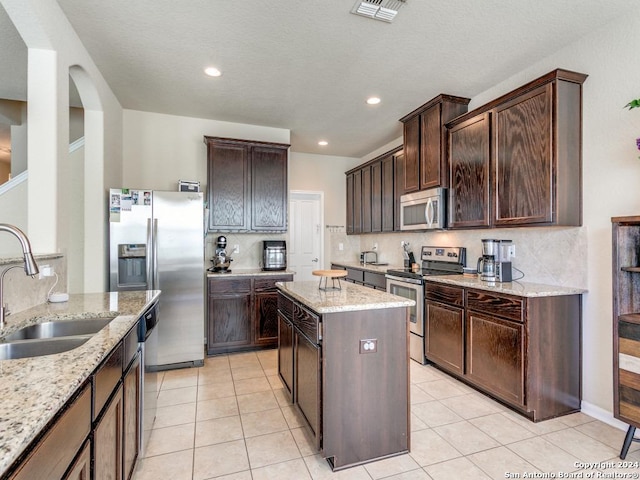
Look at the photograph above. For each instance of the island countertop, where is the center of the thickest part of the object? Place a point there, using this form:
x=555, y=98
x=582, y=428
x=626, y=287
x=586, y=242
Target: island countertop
x=350, y=297
x=248, y=272
x=34, y=389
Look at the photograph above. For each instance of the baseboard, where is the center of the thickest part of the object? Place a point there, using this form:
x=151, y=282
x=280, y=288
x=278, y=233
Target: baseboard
x=603, y=415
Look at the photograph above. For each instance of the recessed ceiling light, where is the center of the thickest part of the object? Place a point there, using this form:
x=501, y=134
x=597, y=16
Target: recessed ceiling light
x=322, y=143
x=212, y=71
x=373, y=100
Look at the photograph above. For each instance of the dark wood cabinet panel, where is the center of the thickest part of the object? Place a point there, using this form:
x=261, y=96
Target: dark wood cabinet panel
x=469, y=183
x=366, y=200
x=243, y=313
x=357, y=201
x=376, y=197
x=523, y=181
x=430, y=148
x=411, y=155
x=387, y=194
x=350, y=204
x=81, y=468
x=228, y=186
x=229, y=324
x=495, y=355
x=307, y=382
x=131, y=417
x=285, y=353
x=268, y=189
x=426, y=160
x=444, y=336
x=247, y=185
x=399, y=162
x=107, y=441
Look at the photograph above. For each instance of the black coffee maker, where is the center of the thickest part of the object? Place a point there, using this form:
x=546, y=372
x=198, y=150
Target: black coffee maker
x=221, y=261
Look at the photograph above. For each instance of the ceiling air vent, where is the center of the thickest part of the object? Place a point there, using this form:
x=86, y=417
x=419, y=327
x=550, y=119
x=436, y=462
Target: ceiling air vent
x=385, y=10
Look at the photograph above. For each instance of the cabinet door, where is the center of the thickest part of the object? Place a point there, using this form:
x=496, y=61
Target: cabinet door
x=268, y=189
x=412, y=155
x=285, y=353
x=350, y=203
x=266, y=319
x=469, y=182
x=131, y=418
x=366, y=200
x=387, y=195
x=357, y=201
x=107, y=441
x=307, y=382
x=444, y=336
x=229, y=325
x=430, y=147
x=81, y=468
x=523, y=153
x=376, y=197
x=228, y=187
x=495, y=356
x=399, y=162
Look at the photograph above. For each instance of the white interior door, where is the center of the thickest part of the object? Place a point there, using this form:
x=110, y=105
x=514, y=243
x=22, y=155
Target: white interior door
x=306, y=234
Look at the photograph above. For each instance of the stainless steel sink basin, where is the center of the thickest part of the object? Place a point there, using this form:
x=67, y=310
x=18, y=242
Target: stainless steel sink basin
x=37, y=348
x=61, y=328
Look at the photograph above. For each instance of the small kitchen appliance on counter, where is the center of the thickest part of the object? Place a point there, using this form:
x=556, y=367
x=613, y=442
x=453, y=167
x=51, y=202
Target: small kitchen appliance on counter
x=221, y=261
x=495, y=263
x=274, y=255
x=410, y=284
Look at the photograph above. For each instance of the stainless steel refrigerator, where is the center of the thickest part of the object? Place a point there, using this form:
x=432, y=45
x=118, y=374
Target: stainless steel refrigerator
x=156, y=242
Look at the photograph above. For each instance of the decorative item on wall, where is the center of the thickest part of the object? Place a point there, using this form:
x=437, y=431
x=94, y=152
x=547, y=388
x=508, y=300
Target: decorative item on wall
x=634, y=104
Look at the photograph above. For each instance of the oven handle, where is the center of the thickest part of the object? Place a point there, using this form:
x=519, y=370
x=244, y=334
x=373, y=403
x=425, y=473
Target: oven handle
x=414, y=281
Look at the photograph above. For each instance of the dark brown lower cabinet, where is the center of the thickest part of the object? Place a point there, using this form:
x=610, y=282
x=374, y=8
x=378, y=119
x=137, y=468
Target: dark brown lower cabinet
x=355, y=401
x=495, y=356
x=131, y=417
x=285, y=353
x=81, y=468
x=107, y=441
x=242, y=312
x=523, y=351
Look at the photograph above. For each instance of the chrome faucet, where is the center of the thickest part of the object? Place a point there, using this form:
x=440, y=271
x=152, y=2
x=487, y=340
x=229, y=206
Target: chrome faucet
x=30, y=265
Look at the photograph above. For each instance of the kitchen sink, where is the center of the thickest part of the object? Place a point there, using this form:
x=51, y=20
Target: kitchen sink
x=60, y=328
x=37, y=348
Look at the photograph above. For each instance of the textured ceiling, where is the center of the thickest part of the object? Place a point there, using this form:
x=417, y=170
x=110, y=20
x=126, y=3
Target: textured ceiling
x=308, y=66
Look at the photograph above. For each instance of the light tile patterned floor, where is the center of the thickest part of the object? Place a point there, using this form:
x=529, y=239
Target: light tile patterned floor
x=230, y=420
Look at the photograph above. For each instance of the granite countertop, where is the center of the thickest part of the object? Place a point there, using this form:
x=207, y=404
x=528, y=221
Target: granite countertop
x=34, y=389
x=248, y=272
x=369, y=267
x=522, y=289
x=350, y=297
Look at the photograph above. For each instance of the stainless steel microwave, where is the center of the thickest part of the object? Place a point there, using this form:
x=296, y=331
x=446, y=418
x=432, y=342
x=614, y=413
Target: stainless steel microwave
x=424, y=210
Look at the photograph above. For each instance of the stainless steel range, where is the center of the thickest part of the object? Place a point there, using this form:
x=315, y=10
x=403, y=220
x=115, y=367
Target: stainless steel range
x=409, y=284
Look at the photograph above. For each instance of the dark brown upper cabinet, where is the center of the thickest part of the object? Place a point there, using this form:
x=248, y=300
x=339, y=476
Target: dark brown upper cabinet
x=535, y=156
x=371, y=195
x=425, y=142
x=246, y=185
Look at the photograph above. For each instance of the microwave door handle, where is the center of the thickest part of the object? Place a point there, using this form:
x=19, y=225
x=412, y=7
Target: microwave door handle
x=429, y=213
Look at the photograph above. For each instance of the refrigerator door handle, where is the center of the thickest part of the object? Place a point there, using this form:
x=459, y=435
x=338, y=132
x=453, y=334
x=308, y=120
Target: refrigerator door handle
x=155, y=254
x=149, y=256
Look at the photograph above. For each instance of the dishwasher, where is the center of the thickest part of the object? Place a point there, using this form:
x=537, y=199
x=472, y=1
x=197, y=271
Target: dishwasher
x=148, y=345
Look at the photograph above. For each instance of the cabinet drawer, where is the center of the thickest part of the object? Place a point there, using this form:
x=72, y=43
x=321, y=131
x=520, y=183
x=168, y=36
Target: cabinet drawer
x=376, y=280
x=285, y=306
x=500, y=305
x=106, y=379
x=57, y=449
x=268, y=284
x=229, y=285
x=355, y=275
x=130, y=347
x=444, y=293
x=306, y=322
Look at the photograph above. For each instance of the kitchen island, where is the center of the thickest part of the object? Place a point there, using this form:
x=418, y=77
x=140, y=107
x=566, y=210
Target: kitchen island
x=344, y=360
x=35, y=391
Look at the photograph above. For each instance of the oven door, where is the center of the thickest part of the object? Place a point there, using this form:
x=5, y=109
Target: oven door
x=414, y=290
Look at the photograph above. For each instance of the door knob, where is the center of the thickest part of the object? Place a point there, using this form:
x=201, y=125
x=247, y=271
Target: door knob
x=315, y=259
